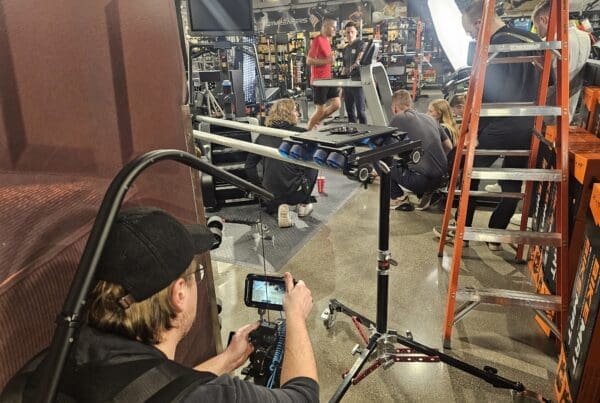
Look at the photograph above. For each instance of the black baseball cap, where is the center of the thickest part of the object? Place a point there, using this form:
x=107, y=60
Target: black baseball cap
x=147, y=249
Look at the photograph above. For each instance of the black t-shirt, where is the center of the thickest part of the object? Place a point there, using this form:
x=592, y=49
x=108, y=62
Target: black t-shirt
x=509, y=83
x=351, y=52
x=102, y=365
x=420, y=126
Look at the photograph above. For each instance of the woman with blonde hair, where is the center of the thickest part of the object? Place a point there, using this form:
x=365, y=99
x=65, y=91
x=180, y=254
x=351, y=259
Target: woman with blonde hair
x=440, y=110
x=291, y=184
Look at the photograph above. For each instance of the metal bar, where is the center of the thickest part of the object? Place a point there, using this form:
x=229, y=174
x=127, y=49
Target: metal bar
x=265, y=151
x=524, y=46
x=517, y=174
x=508, y=236
x=518, y=109
x=492, y=195
x=463, y=310
x=514, y=59
x=269, y=131
x=544, y=318
x=502, y=153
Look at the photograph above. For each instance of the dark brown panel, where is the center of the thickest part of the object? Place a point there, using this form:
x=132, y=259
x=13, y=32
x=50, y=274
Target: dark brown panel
x=84, y=88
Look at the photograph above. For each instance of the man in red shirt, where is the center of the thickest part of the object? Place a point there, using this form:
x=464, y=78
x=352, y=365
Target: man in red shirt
x=320, y=58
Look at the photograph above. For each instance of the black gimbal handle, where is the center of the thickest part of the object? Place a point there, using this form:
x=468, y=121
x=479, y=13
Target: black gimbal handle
x=69, y=320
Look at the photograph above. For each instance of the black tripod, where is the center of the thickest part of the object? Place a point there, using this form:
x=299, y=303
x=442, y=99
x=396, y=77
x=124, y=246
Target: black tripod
x=382, y=339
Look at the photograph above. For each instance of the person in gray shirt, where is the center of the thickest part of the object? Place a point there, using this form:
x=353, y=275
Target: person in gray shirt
x=425, y=176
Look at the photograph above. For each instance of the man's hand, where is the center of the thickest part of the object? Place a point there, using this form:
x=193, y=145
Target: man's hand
x=298, y=299
x=240, y=347
x=236, y=354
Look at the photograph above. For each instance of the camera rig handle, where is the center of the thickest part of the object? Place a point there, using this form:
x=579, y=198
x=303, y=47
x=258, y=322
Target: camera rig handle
x=70, y=318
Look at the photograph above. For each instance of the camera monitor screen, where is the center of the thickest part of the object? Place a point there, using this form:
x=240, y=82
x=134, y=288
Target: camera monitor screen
x=268, y=292
x=223, y=17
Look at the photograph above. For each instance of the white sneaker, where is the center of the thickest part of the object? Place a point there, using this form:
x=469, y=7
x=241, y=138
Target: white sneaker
x=283, y=216
x=493, y=188
x=304, y=209
x=516, y=220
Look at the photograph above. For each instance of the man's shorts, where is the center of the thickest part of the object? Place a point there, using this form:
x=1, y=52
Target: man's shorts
x=322, y=94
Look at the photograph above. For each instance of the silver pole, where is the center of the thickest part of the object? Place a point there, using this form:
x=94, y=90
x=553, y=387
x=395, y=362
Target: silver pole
x=269, y=131
x=265, y=151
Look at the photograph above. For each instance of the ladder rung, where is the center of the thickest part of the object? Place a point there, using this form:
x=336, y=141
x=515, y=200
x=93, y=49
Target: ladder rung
x=510, y=297
x=510, y=236
x=517, y=174
x=515, y=59
x=496, y=195
x=503, y=153
x=517, y=109
x=524, y=46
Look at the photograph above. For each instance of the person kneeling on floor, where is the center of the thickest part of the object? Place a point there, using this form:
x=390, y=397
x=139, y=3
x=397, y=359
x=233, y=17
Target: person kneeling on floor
x=426, y=176
x=289, y=183
x=143, y=304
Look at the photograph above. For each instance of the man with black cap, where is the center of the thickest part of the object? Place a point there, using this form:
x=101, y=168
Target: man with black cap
x=143, y=305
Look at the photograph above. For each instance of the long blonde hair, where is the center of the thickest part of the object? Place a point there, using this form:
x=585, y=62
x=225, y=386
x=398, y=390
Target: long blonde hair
x=284, y=110
x=446, y=118
x=142, y=321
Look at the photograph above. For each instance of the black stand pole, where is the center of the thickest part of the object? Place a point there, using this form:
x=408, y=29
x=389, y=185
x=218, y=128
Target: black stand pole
x=69, y=320
x=381, y=335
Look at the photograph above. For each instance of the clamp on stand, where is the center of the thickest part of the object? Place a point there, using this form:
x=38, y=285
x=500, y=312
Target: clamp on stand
x=382, y=342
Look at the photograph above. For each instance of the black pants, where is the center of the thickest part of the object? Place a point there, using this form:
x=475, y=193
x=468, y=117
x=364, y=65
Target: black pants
x=411, y=180
x=506, y=207
x=299, y=196
x=355, y=96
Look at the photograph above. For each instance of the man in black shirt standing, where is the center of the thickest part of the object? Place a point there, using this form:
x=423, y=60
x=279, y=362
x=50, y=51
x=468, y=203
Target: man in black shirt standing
x=504, y=83
x=353, y=96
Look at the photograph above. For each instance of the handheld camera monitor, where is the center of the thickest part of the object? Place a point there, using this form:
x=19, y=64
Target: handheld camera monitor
x=264, y=292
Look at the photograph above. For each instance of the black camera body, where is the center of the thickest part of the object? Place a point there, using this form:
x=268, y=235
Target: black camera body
x=266, y=293
x=265, y=361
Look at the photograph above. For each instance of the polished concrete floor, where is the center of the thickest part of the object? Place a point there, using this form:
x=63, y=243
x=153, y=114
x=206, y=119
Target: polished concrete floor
x=339, y=262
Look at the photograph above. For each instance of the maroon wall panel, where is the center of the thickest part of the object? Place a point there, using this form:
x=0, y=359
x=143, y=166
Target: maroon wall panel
x=84, y=87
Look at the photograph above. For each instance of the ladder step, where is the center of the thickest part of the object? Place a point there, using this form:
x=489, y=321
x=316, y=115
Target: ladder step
x=517, y=174
x=495, y=195
x=524, y=46
x=509, y=297
x=517, y=109
x=503, y=153
x=510, y=236
x=516, y=59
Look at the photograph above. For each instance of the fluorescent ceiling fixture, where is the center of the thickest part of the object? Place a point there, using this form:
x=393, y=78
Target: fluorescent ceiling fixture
x=448, y=27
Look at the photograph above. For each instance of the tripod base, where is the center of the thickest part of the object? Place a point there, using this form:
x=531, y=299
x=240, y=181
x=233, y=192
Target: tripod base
x=383, y=346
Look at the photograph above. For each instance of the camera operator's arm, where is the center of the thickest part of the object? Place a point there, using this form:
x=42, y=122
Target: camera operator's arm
x=299, y=358
x=234, y=356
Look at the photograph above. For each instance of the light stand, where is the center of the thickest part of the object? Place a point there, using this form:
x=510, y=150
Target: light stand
x=382, y=340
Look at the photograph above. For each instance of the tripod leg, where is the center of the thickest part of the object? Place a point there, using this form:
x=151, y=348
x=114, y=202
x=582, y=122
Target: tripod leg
x=358, y=364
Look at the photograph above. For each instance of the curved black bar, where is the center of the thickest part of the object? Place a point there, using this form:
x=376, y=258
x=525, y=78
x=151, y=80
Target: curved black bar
x=69, y=320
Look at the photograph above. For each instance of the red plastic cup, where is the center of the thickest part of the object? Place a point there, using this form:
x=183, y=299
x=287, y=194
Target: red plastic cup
x=321, y=184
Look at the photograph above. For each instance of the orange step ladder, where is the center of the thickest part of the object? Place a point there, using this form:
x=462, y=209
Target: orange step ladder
x=474, y=109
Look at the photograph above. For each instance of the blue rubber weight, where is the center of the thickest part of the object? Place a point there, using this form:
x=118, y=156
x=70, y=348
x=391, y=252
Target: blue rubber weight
x=284, y=149
x=336, y=160
x=320, y=157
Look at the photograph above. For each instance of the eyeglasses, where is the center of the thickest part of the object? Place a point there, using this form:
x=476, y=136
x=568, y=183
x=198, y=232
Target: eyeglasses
x=198, y=272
